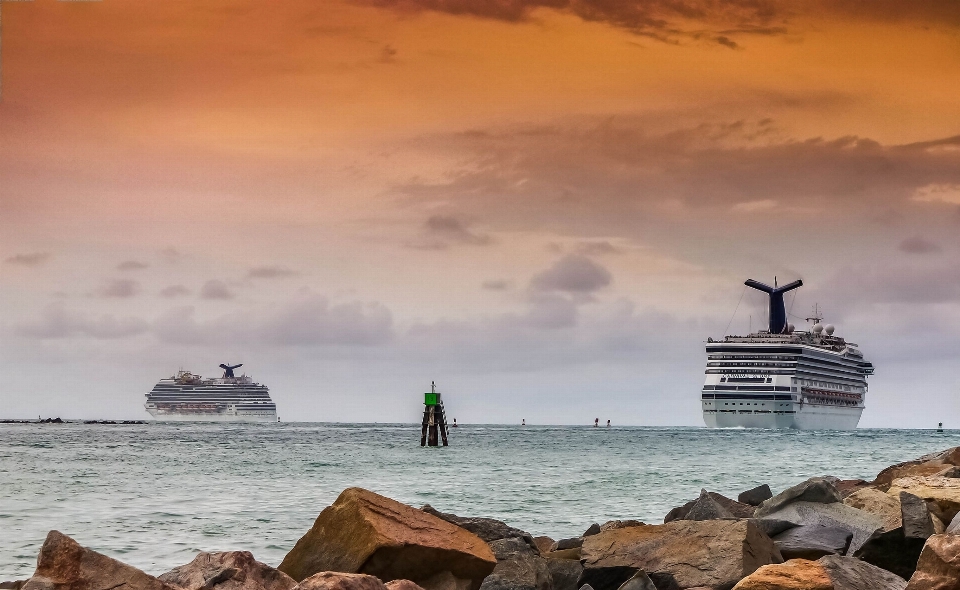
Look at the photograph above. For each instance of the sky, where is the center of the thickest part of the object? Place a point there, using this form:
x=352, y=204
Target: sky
x=545, y=206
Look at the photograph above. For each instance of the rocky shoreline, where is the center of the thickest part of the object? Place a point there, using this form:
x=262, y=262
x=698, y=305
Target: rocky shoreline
x=899, y=531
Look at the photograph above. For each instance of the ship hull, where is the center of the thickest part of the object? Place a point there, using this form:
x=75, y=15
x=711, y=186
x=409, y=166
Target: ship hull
x=164, y=416
x=809, y=417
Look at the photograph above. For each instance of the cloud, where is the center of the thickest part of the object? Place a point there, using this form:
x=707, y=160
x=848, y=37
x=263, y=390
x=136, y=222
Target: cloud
x=573, y=273
x=171, y=255
x=215, y=289
x=270, y=272
x=58, y=322
x=174, y=291
x=31, y=259
x=918, y=245
x=495, y=285
x=755, y=206
x=598, y=248
x=452, y=229
x=121, y=289
x=128, y=265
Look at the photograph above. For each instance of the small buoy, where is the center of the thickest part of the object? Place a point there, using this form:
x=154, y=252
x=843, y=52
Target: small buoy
x=608, y=424
x=523, y=422
x=596, y=422
x=454, y=422
x=940, y=427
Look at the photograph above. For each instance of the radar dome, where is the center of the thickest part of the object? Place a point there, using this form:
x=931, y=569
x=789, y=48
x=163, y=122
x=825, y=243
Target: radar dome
x=829, y=329
x=817, y=328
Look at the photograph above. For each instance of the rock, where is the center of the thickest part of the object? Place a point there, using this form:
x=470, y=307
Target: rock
x=573, y=553
x=543, y=543
x=564, y=573
x=620, y=524
x=230, y=570
x=755, y=496
x=639, y=581
x=942, y=492
x=813, y=542
x=881, y=504
x=939, y=565
x=487, y=529
x=954, y=527
x=917, y=523
x=773, y=527
x=681, y=554
x=341, y=581
x=735, y=508
x=363, y=532
x=571, y=543
x=891, y=551
x=706, y=508
x=911, y=469
x=861, y=524
x=12, y=584
x=519, y=567
x=831, y=572
x=849, y=486
x=593, y=529
x=447, y=581
x=819, y=490
x=952, y=471
x=402, y=585
x=64, y=565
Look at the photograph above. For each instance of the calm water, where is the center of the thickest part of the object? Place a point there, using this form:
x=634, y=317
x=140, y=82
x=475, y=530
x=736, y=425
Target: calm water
x=153, y=495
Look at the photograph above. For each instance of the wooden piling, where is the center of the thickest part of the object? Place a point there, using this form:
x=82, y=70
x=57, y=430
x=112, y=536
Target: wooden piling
x=434, y=427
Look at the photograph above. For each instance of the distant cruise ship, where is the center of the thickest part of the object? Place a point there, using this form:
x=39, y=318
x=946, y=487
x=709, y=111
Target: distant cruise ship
x=189, y=397
x=782, y=378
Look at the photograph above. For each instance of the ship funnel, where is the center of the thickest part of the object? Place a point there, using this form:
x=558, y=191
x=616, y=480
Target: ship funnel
x=778, y=313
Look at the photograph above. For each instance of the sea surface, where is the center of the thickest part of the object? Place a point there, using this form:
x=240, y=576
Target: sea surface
x=153, y=495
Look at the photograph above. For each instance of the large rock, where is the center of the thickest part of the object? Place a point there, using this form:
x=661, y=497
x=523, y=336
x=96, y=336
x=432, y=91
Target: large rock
x=364, y=532
x=819, y=490
x=891, y=551
x=341, y=581
x=939, y=565
x=64, y=565
x=564, y=573
x=229, y=570
x=916, y=517
x=812, y=542
x=542, y=542
x=862, y=525
x=681, y=554
x=755, y=496
x=879, y=503
x=487, y=529
x=954, y=527
x=620, y=524
x=736, y=509
x=941, y=493
x=519, y=567
x=639, y=581
x=571, y=543
x=924, y=466
x=831, y=572
x=706, y=508
x=849, y=486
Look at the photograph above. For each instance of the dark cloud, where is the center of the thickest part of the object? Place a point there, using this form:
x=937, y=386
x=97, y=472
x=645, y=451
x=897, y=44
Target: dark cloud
x=270, y=272
x=174, y=291
x=727, y=42
x=215, y=289
x=919, y=245
x=128, y=265
x=31, y=259
x=58, y=322
x=573, y=274
x=496, y=285
x=121, y=289
x=440, y=231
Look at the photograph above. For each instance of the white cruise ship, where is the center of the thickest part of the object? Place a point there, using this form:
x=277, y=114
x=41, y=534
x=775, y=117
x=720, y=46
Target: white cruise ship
x=784, y=378
x=191, y=398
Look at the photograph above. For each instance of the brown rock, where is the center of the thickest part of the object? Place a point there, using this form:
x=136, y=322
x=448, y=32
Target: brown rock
x=402, y=585
x=878, y=503
x=796, y=574
x=620, y=524
x=941, y=493
x=519, y=567
x=939, y=565
x=564, y=573
x=12, y=584
x=230, y=570
x=363, y=532
x=736, y=509
x=681, y=554
x=341, y=581
x=573, y=553
x=849, y=486
x=543, y=543
x=818, y=490
x=64, y=565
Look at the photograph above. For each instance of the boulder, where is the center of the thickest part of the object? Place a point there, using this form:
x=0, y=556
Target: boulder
x=954, y=527
x=543, y=543
x=229, y=570
x=363, y=532
x=735, y=508
x=487, y=529
x=593, y=529
x=639, y=581
x=402, y=585
x=813, y=542
x=755, y=496
x=571, y=543
x=519, y=567
x=573, y=553
x=64, y=565
x=941, y=493
x=12, y=584
x=341, y=581
x=927, y=465
x=861, y=524
x=939, y=565
x=831, y=572
x=706, y=508
x=916, y=518
x=620, y=524
x=681, y=554
x=891, y=551
x=849, y=486
x=773, y=527
x=878, y=503
x=819, y=490
x=564, y=573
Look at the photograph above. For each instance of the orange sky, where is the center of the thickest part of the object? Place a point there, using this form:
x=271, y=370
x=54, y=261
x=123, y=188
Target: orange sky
x=372, y=148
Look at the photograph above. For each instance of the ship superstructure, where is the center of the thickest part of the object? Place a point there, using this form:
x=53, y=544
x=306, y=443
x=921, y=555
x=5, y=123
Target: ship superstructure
x=784, y=378
x=190, y=397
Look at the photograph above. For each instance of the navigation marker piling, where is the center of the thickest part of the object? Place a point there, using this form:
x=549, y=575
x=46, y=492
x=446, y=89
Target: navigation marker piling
x=434, y=419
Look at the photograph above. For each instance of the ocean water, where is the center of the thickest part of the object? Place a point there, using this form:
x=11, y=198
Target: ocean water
x=153, y=495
